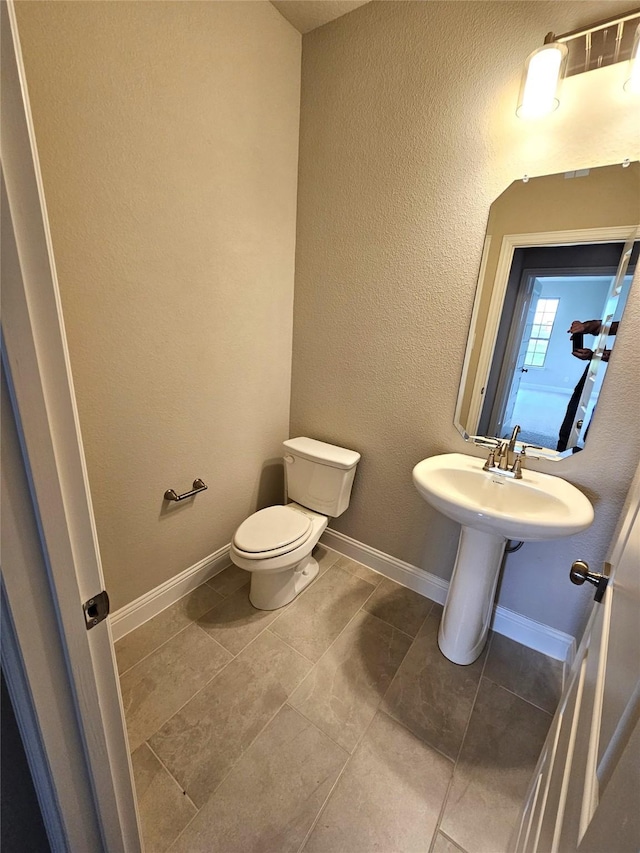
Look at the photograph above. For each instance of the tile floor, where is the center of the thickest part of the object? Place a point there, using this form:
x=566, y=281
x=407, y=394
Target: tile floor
x=333, y=725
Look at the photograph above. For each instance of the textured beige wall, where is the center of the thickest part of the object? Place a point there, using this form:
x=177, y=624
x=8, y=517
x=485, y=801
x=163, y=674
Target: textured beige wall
x=306, y=15
x=408, y=133
x=168, y=137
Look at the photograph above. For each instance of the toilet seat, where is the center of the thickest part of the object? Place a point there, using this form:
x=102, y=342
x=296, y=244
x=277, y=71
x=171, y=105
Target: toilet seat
x=272, y=531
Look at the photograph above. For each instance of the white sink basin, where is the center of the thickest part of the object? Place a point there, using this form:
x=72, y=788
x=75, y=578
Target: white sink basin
x=491, y=509
x=539, y=506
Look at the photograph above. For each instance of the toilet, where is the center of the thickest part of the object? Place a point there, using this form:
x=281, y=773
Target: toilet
x=275, y=544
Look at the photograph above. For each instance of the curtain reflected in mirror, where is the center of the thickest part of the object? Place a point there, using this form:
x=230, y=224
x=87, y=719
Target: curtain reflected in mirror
x=549, y=305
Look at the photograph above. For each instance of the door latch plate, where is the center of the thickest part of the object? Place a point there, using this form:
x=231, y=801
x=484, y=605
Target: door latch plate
x=96, y=609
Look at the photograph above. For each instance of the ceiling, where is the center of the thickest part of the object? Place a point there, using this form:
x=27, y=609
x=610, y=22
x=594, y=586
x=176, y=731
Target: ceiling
x=306, y=15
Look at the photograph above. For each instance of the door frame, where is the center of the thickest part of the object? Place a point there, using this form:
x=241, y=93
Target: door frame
x=504, y=390
x=508, y=246
x=36, y=361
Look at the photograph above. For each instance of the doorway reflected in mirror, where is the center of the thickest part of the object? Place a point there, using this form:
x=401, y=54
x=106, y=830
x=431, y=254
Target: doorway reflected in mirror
x=560, y=250
x=538, y=375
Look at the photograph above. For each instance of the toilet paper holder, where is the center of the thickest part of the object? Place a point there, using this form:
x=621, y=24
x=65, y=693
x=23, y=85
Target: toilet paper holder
x=198, y=486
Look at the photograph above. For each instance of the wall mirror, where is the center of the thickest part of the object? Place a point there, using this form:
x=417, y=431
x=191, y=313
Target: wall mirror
x=558, y=261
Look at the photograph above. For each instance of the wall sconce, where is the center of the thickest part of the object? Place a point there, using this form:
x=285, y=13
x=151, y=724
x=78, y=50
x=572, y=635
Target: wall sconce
x=604, y=43
x=632, y=84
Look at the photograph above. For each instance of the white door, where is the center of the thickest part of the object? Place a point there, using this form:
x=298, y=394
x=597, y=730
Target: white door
x=514, y=363
x=585, y=794
x=580, y=421
x=70, y=714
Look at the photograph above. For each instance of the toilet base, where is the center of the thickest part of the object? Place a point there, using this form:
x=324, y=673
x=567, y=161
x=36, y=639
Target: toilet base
x=272, y=590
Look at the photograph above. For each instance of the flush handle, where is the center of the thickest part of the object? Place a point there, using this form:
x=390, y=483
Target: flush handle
x=580, y=573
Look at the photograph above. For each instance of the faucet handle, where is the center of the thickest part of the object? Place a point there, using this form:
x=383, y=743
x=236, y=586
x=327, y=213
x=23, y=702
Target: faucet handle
x=531, y=446
x=491, y=460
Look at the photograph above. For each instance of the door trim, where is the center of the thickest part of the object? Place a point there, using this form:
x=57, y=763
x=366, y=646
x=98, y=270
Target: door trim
x=511, y=242
x=37, y=359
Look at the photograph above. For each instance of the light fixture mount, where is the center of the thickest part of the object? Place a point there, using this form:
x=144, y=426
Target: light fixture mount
x=586, y=49
x=600, y=44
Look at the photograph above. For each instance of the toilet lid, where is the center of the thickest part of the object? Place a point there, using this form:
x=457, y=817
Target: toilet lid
x=274, y=528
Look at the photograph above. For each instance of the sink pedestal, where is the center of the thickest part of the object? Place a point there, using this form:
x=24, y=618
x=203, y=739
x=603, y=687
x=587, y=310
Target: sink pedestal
x=467, y=611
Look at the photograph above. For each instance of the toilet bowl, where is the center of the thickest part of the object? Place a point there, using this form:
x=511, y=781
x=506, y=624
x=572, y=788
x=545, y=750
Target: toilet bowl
x=275, y=544
x=280, y=569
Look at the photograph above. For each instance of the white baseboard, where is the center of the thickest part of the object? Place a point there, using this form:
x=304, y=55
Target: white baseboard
x=528, y=632
x=138, y=612
x=535, y=635
x=431, y=586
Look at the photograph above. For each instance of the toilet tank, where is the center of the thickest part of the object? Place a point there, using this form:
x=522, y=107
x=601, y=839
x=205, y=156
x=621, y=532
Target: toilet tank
x=319, y=476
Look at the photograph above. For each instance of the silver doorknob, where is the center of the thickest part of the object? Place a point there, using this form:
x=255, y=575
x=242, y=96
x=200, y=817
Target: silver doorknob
x=580, y=573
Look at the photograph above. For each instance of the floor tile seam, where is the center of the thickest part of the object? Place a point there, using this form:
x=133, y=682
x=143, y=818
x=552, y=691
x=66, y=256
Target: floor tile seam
x=443, y=807
x=360, y=737
x=228, y=651
x=462, y=742
x=181, y=833
x=316, y=726
x=350, y=756
x=323, y=806
x=213, y=678
x=337, y=553
x=518, y=696
x=389, y=624
x=350, y=574
x=335, y=640
x=452, y=840
x=193, y=696
x=179, y=631
x=416, y=735
x=445, y=800
x=224, y=595
x=239, y=758
x=293, y=649
x=173, y=778
x=155, y=649
x=368, y=568
x=475, y=699
x=414, y=640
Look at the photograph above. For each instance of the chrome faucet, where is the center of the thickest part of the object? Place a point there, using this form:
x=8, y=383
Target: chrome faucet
x=503, y=458
x=503, y=455
x=514, y=438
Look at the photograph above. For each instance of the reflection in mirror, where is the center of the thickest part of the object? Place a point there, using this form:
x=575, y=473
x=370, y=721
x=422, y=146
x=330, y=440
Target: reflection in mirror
x=556, y=271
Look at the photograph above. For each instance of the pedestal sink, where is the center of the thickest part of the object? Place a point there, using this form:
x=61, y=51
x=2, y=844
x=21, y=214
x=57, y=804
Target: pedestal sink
x=492, y=509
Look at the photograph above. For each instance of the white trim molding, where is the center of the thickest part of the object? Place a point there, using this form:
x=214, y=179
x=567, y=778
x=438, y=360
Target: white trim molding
x=138, y=612
x=528, y=632
x=431, y=586
x=52, y=545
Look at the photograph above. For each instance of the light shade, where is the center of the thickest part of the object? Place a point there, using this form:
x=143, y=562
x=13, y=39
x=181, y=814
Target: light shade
x=633, y=81
x=543, y=73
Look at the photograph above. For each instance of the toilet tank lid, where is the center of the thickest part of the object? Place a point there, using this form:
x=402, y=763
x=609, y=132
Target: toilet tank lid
x=320, y=451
